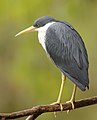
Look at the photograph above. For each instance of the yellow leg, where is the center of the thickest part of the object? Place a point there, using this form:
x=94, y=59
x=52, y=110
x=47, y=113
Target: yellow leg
x=72, y=100
x=61, y=88
x=60, y=93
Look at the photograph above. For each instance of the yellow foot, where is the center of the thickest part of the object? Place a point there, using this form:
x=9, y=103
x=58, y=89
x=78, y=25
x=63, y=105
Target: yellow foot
x=58, y=103
x=72, y=104
x=61, y=107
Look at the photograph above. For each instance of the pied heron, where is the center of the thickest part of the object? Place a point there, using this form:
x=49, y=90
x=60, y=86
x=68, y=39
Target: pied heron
x=65, y=47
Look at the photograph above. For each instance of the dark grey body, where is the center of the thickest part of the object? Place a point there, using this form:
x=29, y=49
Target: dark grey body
x=66, y=48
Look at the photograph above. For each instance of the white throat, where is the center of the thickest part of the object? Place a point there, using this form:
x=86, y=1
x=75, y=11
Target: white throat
x=42, y=33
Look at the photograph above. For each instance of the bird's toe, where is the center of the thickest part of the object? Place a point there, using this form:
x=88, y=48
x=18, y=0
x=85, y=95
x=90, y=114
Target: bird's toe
x=58, y=103
x=72, y=104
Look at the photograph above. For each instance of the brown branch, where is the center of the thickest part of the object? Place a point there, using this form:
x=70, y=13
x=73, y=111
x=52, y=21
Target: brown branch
x=38, y=110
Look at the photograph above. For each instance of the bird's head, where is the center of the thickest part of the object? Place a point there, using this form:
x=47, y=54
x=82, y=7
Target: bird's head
x=40, y=22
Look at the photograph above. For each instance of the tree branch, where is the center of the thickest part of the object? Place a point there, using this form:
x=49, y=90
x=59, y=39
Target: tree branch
x=34, y=112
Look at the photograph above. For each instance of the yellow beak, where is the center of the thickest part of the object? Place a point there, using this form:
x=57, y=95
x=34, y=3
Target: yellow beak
x=30, y=29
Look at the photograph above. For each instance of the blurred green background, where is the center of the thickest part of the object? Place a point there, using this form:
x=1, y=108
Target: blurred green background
x=27, y=77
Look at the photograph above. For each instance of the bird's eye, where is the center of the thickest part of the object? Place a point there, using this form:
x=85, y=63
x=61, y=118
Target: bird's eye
x=37, y=25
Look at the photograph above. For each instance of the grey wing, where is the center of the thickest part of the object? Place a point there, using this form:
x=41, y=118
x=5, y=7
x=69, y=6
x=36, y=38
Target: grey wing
x=67, y=50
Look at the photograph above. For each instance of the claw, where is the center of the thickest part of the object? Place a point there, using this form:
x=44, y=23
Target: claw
x=72, y=104
x=61, y=107
x=57, y=103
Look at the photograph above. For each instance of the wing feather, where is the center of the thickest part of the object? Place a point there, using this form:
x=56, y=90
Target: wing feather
x=67, y=50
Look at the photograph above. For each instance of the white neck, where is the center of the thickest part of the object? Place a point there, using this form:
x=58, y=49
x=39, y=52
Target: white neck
x=42, y=33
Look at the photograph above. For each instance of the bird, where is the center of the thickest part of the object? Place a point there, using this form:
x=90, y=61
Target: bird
x=65, y=47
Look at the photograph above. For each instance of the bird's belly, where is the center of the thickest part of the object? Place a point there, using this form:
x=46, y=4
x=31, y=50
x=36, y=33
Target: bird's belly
x=41, y=37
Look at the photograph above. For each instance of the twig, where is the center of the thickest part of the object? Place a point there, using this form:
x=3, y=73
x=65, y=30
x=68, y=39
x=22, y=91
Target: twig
x=34, y=112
